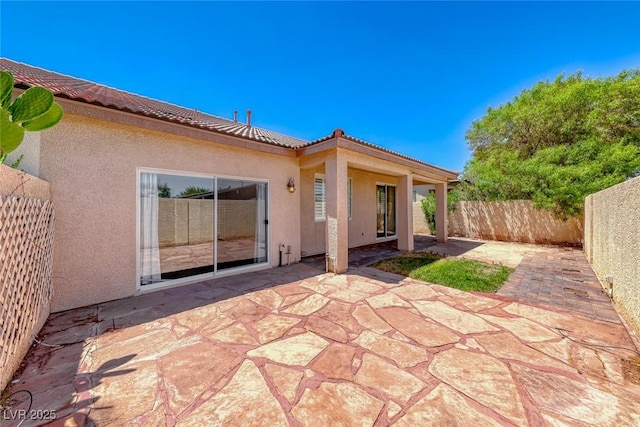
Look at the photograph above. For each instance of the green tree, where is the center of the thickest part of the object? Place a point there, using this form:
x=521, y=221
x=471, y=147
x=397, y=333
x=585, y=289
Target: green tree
x=164, y=192
x=557, y=142
x=34, y=110
x=190, y=191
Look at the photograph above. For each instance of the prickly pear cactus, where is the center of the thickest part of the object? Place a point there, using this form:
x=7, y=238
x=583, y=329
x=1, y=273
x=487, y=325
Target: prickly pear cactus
x=33, y=111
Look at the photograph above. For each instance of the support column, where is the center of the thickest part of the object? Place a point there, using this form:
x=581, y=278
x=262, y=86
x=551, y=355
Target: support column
x=442, y=222
x=335, y=170
x=405, y=213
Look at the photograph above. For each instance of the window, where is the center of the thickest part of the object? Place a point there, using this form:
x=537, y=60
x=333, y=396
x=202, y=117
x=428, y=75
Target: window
x=320, y=197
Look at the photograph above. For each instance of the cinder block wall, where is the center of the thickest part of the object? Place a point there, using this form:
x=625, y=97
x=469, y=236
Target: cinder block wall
x=419, y=222
x=612, y=244
x=190, y=221
x=513, y=221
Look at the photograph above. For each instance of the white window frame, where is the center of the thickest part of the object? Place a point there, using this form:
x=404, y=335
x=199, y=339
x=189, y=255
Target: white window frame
x=319, y=207
x=322, y=216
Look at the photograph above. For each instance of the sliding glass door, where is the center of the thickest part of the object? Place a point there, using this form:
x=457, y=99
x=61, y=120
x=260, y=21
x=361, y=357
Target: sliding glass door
x=197, y=225
x=385, y=210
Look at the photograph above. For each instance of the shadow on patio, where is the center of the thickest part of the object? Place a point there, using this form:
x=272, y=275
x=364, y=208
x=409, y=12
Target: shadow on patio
x=57, y=372
x=295, y=346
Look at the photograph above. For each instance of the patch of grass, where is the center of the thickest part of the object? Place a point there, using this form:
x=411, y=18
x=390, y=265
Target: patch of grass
x=463, y=274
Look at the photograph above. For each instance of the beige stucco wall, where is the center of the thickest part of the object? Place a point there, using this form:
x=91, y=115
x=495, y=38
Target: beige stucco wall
x=18, y=183
x=612, y=244
x=29, y=149
x=363, y=223
x=92, y=164
x=362, y=226
x=513, y=221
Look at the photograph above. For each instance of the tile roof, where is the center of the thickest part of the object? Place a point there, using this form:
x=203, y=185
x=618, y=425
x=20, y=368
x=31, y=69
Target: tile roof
x=93, y=93
x=85, y=91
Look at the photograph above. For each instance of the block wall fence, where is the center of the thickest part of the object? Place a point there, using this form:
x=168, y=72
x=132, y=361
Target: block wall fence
x=510, y=221
x=612, y=244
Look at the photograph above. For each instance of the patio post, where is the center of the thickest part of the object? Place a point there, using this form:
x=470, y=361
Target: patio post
x=405, y=213
x=442, y=223
x=337, y=232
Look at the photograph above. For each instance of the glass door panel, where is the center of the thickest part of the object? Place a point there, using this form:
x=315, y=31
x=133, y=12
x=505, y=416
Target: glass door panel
x=176, y=226
x=380, y=210
x=241, y=223
x=391, y=210
x=385, y=211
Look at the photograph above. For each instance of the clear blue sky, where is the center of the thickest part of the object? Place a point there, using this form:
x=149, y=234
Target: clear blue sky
x=408, y=76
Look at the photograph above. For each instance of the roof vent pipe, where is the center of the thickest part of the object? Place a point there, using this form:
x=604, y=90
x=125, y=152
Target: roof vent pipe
x=249, y=118
x=235, y=116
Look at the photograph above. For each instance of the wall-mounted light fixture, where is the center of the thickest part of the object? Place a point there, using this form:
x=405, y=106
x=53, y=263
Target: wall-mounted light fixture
x=291, y=186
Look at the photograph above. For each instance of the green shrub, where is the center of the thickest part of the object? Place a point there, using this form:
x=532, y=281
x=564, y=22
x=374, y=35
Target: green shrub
x=428, y=205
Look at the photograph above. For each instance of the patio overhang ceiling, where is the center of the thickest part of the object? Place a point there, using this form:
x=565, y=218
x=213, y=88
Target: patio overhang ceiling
x=369, y=157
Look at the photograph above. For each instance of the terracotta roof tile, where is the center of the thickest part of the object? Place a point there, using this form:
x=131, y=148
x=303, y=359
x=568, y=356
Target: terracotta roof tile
x=93, y=93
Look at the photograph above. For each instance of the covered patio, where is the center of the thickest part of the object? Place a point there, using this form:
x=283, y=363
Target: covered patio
x=366, y=189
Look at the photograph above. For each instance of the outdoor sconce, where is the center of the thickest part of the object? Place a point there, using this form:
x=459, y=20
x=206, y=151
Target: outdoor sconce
x=291, y=186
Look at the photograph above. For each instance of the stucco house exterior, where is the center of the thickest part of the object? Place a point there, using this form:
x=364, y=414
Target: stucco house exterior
x=150, y=195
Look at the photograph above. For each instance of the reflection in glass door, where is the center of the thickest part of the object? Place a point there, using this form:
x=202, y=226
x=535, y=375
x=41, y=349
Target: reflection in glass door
x=194, y=225
x=176, y=227
x=385, y=210
x=242, y=223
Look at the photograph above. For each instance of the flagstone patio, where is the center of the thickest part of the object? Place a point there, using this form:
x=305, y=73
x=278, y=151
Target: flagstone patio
x=295, y=346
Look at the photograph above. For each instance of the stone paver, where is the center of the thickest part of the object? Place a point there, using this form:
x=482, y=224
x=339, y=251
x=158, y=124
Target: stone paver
x=404, y=355
x=483, y=378
x=297, y=350
x=444, y=407
x=333, y=404
x=336, y=362
x=247, y=397
x=383, y=376
x=296, y=346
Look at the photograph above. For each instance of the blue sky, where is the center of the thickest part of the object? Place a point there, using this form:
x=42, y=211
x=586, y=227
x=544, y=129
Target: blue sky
x=408, y=76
